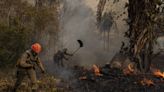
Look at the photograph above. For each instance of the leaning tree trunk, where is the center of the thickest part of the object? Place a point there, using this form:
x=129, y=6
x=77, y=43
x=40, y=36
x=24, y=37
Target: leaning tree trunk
x=142, y=16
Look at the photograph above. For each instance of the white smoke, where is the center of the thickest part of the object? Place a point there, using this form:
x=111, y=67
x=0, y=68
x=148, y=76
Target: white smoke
x=78, y=21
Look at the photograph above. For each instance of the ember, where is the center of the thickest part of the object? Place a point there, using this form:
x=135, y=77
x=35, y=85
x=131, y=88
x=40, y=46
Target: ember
x=129, y=70
x=158, y=73
x=96, y=70
x=147, y=82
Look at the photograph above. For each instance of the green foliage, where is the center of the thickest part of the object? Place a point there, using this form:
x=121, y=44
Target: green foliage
x=20, y=23
x=12, y=42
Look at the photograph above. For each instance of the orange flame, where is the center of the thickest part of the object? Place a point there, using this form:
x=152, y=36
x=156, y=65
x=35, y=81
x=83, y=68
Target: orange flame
x=96, y=70
x=128, y=70
x=158, y=73
x=147, y=82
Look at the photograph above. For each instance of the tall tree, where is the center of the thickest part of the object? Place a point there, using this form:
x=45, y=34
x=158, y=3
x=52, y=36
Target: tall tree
x=142, y=32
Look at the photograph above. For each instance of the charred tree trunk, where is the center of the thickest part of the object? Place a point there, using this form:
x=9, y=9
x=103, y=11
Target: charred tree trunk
x=100, y=9
x=142, y=14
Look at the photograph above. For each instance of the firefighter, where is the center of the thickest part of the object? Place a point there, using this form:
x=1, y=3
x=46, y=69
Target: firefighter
x=26, y=66
x=60, y=55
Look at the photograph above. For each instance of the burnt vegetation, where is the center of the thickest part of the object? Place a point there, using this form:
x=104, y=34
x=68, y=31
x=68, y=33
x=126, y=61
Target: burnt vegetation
x=107, y=79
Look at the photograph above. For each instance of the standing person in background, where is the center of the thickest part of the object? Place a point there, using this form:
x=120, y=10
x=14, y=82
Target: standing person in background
x=60, y=56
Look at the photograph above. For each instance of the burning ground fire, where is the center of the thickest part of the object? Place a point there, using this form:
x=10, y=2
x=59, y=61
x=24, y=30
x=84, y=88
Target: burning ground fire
x=158, y=73
x=127, y=78
x=129, y=70
x=147, y=82
x=104, y=79
x=96, y=70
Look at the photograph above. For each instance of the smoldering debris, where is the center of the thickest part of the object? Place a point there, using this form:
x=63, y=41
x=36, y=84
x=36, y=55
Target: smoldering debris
x=107, y=79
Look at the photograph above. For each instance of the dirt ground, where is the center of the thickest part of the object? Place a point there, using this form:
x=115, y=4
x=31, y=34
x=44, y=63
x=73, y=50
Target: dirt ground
x=49, y=83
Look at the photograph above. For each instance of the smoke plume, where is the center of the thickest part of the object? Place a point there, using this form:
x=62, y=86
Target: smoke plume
x=78, y=21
